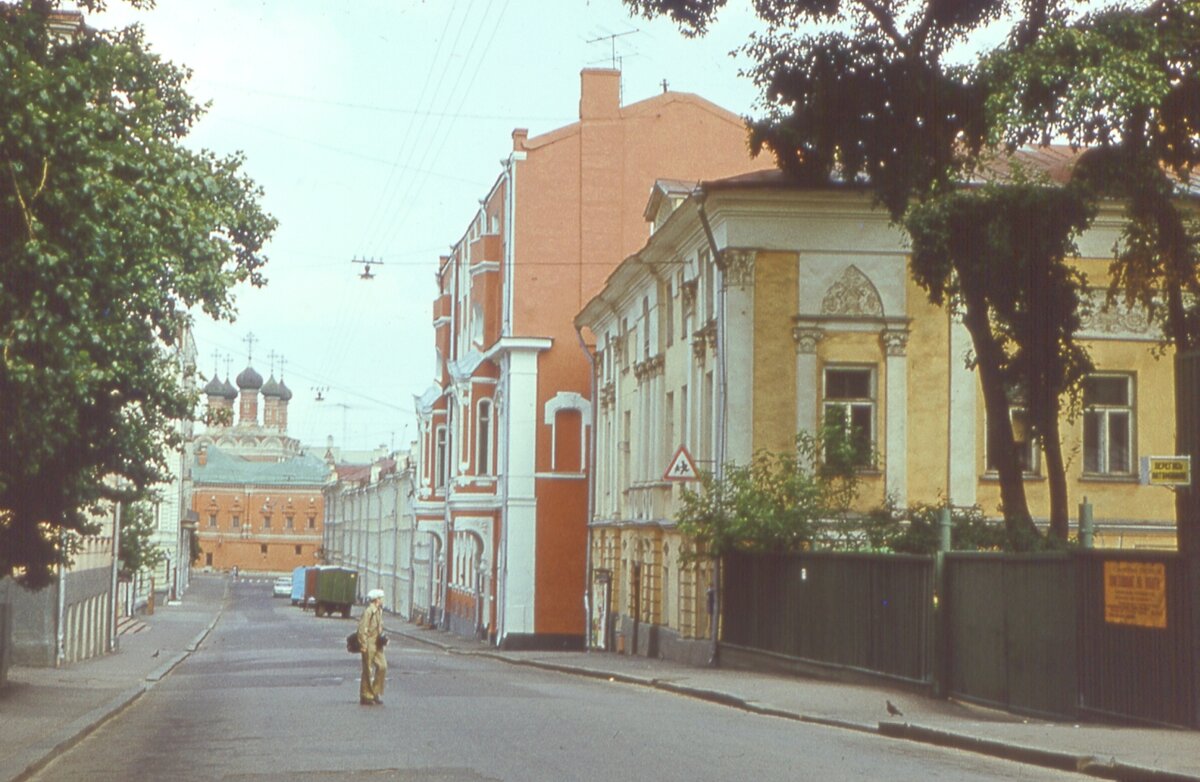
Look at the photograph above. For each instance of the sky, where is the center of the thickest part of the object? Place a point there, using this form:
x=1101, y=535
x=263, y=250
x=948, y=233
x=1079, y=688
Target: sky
x=374, y=128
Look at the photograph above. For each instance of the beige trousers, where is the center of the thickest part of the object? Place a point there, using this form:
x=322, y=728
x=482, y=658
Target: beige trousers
x=374, y=674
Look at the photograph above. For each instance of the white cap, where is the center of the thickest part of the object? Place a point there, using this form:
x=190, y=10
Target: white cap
x=375, y=594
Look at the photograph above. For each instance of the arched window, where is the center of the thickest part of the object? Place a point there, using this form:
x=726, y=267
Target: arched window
x=570, y=417
x=483, y=438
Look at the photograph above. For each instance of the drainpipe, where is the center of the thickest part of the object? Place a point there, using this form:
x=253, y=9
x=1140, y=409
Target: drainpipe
x=591, y=492
x=719, y=403
x=60, y=652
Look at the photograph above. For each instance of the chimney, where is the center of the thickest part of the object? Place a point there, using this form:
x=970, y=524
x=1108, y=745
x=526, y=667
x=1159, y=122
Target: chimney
x=599, y=93
x=519, y=135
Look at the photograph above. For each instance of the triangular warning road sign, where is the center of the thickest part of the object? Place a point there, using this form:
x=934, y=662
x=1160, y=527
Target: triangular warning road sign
x=682, y=468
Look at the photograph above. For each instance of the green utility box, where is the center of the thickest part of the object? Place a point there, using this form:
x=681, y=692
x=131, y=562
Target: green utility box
x=337, y=589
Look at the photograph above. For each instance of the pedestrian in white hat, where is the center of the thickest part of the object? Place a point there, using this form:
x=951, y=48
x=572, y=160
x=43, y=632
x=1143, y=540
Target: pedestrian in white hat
x=371, y=641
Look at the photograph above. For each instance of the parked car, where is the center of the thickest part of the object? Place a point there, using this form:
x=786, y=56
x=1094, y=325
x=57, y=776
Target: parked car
x=283, y=586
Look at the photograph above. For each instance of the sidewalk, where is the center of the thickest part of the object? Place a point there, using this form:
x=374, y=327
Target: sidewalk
x=43, y=711
x=1109, y=752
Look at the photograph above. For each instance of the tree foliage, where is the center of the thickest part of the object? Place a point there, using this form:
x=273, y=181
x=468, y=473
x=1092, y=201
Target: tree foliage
x=778, y=502
x=110, y=229
x=1123, y=83
x=916, y=530
x=137, y=551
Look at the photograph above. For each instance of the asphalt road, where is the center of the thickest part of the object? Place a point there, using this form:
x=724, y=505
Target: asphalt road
x=272, y=695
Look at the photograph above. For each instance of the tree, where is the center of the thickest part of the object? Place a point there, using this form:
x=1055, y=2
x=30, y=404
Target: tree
x=1001, y=250
x=110, y=230
x=884, y=106
x=137, y=552
x=778, y=502
x=1124, y=83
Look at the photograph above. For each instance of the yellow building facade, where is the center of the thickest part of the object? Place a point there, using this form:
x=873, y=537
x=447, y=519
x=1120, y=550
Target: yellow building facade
x=755, y=309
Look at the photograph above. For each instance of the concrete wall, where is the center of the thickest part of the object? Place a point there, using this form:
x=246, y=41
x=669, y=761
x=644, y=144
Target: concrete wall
x=87, y=619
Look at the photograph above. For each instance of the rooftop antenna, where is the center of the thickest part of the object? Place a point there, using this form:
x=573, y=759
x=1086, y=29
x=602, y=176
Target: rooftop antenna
x=367, y=263
x=612, y=41
x=320, y=392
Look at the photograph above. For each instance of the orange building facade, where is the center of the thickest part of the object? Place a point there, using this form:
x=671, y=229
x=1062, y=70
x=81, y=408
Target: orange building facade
x=506, y=428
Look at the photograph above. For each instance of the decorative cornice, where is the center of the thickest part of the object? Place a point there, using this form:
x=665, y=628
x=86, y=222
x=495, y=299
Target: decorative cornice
x=1116, y=319
x=649, y=368
x=704, y=339
x=608, y=394
x=687, y=293
x=737, y=266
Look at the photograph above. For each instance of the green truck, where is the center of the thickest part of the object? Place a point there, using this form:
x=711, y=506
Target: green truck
x=336, y=589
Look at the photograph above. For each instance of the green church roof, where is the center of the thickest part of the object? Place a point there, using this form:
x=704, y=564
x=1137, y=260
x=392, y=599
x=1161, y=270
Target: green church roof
x=226, y=468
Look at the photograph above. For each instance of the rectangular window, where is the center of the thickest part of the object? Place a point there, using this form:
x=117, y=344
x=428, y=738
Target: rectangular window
x=669, y=316
x=683, y=415
x=1108, y=425
x=483, y=439
x=1027, y=450
x=266, y=522
x=297, y=551
x=440, y=457
x=236, y=522
x=212, y=520
x=289, y=522
x=849, y=409
x=312, y=522
x=262, y=548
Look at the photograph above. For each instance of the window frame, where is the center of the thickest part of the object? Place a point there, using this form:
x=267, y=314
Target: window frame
x=1033, y=456
x=484, y=423
x=870, y=402
x=1103, y=457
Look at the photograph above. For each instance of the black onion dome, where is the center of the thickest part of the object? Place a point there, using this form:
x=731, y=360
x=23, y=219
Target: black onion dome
x=249, y=380
x=215, y=387
x=285, y=393
x=228, y=390
x=271, y=388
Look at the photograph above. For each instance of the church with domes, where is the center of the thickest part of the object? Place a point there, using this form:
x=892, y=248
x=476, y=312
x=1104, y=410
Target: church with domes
x=256, y=492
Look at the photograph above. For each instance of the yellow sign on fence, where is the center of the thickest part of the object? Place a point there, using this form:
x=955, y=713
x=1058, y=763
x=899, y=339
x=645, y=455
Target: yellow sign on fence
x=1135, y=593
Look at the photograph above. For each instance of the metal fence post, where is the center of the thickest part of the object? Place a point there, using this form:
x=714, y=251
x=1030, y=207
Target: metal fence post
x=1087, y=527
x=941, y=650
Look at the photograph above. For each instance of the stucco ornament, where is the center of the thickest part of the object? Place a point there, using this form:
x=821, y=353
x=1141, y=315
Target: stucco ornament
x=737, y=266
x=852, y=295
x=1117, y=318
x=806, y=338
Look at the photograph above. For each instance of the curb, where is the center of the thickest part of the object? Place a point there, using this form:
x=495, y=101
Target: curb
x=76, y=731
x=73, y=732
x=1090, y=765
x=1064, y=761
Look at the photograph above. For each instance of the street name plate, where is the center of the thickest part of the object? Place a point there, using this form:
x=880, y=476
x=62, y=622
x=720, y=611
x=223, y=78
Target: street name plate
x=1167, y=470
